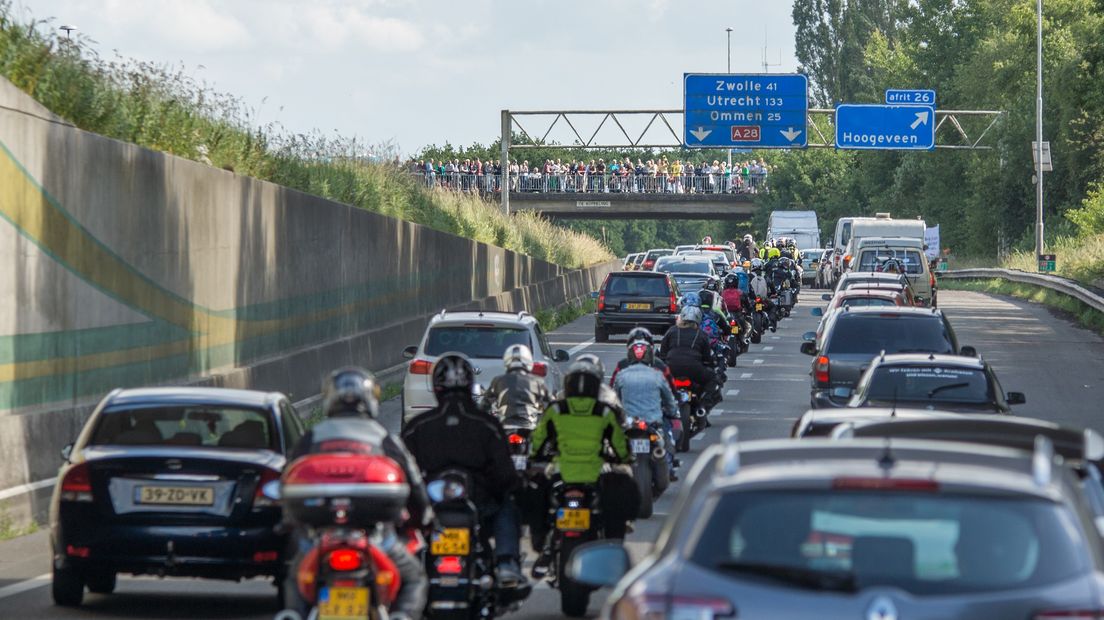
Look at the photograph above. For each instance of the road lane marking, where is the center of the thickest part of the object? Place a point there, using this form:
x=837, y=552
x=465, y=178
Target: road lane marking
x=733, y=392
x=579, y=347
x=745, y=375
x=768, y=348
x=26, y=488
x=802, y=379
x=776, y=337
x=758, y=361
x=25, y=586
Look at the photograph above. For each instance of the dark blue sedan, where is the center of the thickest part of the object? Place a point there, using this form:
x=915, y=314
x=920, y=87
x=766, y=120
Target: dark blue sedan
x=172, y=482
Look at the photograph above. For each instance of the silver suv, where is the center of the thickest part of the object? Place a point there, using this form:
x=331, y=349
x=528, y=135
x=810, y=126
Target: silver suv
x=483, y=337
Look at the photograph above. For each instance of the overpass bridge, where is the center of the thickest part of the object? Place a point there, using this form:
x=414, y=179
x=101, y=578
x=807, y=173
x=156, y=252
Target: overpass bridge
x=623, y=206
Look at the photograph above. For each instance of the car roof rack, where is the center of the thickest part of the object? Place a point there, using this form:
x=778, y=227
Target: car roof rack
x=1042, y=461
x=729, y=463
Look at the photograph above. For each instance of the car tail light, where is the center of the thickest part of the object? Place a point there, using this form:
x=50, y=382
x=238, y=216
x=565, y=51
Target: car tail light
x=540, y=369
x=673, y=308
x=345, y=560
x=648, y=264
x=682, y=383
x=884, y=484
x=820, y=370
x=931, y=279
x=1070, y=614
x=74, y=551
x=77, y=484
x=449, y=565
x=642, y=425
x=267, y=489
x=421, y=367
x=263, y=557
x=655, y=606
x=602, y=299
x=516, y=439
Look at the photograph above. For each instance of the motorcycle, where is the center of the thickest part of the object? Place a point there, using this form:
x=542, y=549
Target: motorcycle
x=578, y=520
x=759, y=321
x=691, y=419
x=786, y=299
x=651, y=470
x=460, y=560
x=341, y=501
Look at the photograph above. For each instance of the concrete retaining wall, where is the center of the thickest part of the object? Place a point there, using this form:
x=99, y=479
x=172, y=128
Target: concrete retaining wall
x=121, y=266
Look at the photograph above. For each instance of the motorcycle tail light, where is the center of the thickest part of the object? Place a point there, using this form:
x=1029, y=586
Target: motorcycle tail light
x=421, y=367
x=345, y=560
x=449, y=565
x=540, y=369
x=516, y=439
x=682, y=383
x=642, y=425
x=77, y=484
x=821, y=370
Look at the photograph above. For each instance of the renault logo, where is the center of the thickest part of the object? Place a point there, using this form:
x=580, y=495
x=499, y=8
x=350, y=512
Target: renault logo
x=881, y=608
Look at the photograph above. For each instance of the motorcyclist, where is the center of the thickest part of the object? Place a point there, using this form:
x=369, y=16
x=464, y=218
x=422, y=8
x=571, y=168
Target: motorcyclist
x=457, y=434
x=713, y=323
x=350, y=401
x=761, y=290
x=685, y=348
x=517, y=397
x=641, y=334
x=582, y=432
x=747, y=248
x=645, y=393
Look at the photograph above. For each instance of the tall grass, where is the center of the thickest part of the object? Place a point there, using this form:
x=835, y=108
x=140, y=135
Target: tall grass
x=1079, y=258
x=164, y=108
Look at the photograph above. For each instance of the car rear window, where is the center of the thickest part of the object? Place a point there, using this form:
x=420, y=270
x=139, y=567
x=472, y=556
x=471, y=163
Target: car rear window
x=872, y=260
x=684, y=266
x=198, y=426
x=654, y=254
x=922, y=543
x=936, y=384
x=637, y=286
x=892, y=333
x=475, y=341
x=857, y=302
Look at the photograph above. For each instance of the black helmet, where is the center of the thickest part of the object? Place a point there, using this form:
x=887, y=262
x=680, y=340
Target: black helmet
x=638, y=334
x=641, y=352
x=732, y=280
x=350, y=391
x=584, y=377
x=712, y=284
x=453, y=373
x=707, y=298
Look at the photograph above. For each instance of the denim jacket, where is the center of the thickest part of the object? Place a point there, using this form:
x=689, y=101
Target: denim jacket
x=645, y=393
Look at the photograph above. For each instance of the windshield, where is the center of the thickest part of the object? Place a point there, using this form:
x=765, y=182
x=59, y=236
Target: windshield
x=923, y=543
x=683, y=266
x=198, y=426
x=929, y=383
x=654, y=254
x=858, y=302
x=892, y=333
x=874, y=260
x=476, y=341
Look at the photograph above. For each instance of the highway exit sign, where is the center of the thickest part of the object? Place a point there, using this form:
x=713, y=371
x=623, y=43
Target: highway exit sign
x=1047, y=262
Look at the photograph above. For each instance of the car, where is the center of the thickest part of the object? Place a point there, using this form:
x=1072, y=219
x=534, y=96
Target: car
x=173, y=481
x=627, y=300
x=849, y=338
x=651, y=256
x=721, y=262
x=810, y=264
x=864, y=528
x=825, y=274
x=823, y=422
x=859, y=288
x=863, y=297
x=862, y=278
x=929, y=381
x=483, y=337
x=630, y=261
x=689, y=272
x=875, y=253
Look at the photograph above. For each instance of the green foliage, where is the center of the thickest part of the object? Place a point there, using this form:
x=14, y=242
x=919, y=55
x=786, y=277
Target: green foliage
x=163, y=108
x=554, y=318
x=1090, y=217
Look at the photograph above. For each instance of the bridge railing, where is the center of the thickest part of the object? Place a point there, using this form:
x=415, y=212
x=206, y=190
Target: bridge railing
x=574, y=183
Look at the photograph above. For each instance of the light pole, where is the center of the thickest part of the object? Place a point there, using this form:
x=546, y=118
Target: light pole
x=729, y=70
x=1039, y=134
x=68, y=31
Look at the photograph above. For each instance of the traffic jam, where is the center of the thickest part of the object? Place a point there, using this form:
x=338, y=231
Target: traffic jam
x=907, y=489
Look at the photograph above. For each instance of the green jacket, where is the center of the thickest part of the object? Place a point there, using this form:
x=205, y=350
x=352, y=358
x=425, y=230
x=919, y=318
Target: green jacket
x=576, y=430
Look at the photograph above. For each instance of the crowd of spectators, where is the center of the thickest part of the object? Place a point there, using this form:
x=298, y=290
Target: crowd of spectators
x=652, y=176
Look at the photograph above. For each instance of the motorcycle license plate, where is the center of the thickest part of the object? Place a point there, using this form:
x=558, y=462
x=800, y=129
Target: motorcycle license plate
x=641, y=446
x=451, y=541
x=573, y=519
x=521, y=462
x=342, y=603
x=683, y=397
x=758, y=307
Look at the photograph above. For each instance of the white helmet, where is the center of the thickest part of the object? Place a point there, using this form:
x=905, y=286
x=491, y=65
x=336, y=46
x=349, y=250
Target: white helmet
x=756, y=263
x=691, y=314
x=518, y=357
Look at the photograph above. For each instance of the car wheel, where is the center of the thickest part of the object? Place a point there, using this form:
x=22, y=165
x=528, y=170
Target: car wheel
x=67, y=587
x=101, y=582
x=601, y=334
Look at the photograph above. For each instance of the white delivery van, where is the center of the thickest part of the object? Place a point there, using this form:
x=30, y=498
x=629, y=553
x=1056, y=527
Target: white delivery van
x=801, y=226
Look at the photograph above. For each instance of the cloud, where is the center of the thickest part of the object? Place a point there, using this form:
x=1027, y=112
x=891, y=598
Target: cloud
x=333, y=27
x=196, y=26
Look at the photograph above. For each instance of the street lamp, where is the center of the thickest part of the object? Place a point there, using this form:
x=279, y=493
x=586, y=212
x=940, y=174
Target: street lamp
x=729, y=33
x=1039, y=132
x=68, y=31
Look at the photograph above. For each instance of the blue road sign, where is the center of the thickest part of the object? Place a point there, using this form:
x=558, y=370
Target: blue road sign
x=904, y=96
x=760, y=111
x=885, y=127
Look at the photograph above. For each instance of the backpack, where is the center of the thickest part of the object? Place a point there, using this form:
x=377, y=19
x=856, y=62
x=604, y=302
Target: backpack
x=732, y=299
x=710, y=327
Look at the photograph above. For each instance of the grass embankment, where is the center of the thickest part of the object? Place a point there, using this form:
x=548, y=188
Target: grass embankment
x=164, y=108
x=1085, y=315
x=1079, y=258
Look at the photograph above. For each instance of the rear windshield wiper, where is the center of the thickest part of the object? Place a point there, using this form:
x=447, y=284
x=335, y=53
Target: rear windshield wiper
x=839, y=581
x=950, y=386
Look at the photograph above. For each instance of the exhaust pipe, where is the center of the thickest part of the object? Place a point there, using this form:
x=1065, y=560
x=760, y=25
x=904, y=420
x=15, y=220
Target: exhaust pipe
x=659, y=452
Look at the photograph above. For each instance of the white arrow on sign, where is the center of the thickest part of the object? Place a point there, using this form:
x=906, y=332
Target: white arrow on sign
x=791, y=134
x=921, y=119
x=701, y=133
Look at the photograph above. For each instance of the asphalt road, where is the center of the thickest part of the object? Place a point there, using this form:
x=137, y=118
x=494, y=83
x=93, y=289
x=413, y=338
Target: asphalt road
x=1058, y=365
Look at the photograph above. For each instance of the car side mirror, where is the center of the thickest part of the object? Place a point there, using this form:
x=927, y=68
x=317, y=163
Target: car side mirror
x=1016, y=398
x=599, y=564
x=968, y=351
x=808, y=348
x=67, y=452
x=561, y=356
x=818, y=311
x=594, y=294
x=826, y=297
x=808, y=337
x=410, y=352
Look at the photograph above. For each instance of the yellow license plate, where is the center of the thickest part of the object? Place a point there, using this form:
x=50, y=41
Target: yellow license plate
x=343, y=603
x=638, y=306
x=176, y=496
x=758, y=307
x=452, y=541
x=573, y=519
x=735, y=330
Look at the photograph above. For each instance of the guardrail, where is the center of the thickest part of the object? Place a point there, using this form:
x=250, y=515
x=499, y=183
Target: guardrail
x=1054, y=283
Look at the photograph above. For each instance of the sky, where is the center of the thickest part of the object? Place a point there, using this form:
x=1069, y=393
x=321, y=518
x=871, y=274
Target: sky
x=428, y=72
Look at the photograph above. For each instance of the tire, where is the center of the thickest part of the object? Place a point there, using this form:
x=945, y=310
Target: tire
x=685, y=414
x=642, y=474
x=601, y=335
x=574, y=596
x=67, y=587
x=756, y=337
x=101, y=582
x=732, y=355
x=661, y=476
